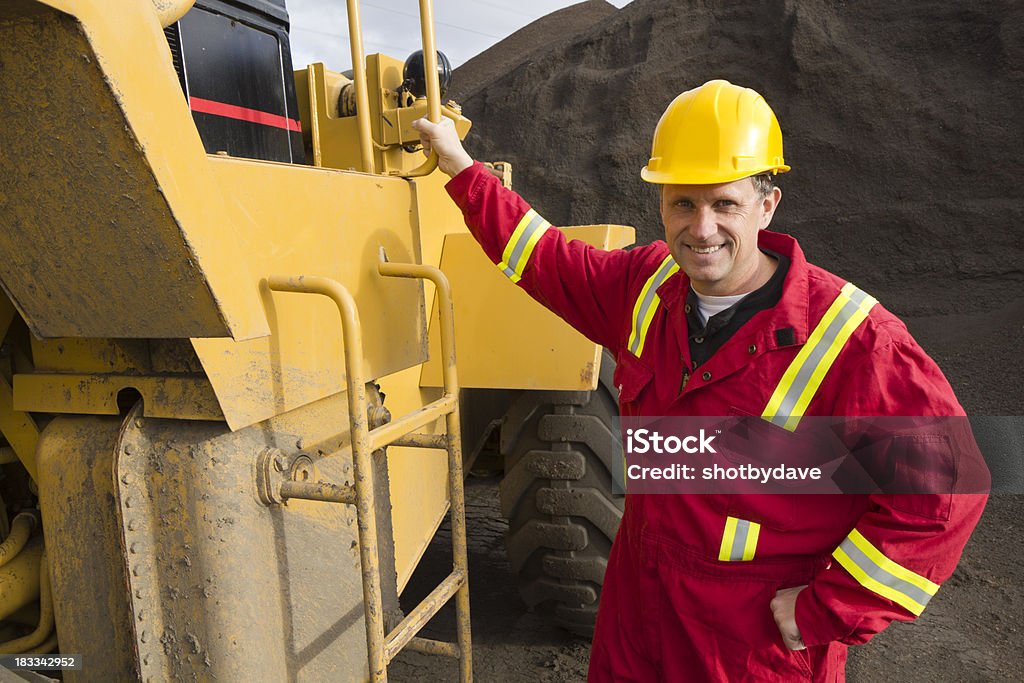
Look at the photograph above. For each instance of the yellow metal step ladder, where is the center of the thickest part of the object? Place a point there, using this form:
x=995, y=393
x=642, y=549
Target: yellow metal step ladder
x=382, y=649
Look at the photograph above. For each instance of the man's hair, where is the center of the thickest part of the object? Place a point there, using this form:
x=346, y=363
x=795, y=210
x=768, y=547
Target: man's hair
x=763, y=183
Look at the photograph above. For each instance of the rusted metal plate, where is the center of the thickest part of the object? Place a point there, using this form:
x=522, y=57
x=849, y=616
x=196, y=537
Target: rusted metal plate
x=223, y=587
x=155, y=530
x=82, y=528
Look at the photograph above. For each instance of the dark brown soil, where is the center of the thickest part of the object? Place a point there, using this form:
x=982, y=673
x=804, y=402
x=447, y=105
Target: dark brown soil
x=904, y=124
x=537, y=38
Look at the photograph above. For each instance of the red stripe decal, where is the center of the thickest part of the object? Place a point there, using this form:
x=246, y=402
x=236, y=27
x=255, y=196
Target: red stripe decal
x=232, y=111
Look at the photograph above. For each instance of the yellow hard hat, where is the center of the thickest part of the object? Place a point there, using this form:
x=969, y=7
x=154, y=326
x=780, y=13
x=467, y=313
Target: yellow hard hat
x=716, y=133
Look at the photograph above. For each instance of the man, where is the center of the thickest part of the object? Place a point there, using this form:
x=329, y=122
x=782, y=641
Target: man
x=727, y=318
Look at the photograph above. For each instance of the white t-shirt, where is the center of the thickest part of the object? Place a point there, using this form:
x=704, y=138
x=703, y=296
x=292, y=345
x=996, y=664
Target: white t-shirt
x=708, y=306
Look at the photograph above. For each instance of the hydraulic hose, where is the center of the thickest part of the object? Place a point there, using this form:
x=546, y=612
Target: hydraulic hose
x=21, y=529
x=47, y=647
x=45, y=628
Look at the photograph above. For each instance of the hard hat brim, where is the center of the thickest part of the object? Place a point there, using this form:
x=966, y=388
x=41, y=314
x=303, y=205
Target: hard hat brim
x=707, y=177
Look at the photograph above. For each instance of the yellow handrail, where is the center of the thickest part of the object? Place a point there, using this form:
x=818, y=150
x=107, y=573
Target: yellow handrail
x=355, y=39
x=382, y=648
x=456, y=495
x=433, y=86
x=362, y=464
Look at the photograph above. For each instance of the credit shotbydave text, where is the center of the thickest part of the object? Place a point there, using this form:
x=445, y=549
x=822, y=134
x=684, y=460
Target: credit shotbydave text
x=644, y=441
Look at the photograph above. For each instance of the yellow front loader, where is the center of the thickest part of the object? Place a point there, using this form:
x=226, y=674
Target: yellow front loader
x=232, y=411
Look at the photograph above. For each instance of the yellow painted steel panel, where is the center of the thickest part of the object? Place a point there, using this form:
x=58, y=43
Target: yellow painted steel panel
x=296, y=220
x=70, y=354
x=113, y=226
x=505, y=339
x=19, y=428
x=418, y=476
x=182, y=398
x=438, y=216
x=334, y=139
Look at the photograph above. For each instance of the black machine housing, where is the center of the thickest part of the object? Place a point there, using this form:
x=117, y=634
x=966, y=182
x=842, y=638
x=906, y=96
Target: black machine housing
x=233, y=59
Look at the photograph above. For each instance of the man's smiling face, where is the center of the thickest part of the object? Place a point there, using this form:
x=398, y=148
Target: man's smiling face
x=711, y=231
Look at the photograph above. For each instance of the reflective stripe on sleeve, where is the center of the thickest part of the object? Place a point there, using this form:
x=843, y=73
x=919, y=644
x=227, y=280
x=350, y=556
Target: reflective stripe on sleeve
x=739, y=541
x=879, y=574
x=805, y=374
x=529, y=230
x=647, y=303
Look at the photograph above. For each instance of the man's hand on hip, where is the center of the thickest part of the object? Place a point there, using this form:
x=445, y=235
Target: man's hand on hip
x=784, y=610
x=452, y=159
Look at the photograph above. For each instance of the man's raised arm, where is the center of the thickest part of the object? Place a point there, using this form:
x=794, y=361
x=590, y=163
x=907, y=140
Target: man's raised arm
x=587, y=287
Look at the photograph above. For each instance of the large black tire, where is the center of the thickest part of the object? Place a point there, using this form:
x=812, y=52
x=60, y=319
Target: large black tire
x=559, y=450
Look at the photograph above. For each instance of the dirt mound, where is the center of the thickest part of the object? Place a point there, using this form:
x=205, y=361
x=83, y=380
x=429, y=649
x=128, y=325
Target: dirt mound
x=903, y=123
x=536, y=38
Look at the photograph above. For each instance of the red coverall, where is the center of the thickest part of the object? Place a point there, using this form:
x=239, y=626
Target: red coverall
x=670, y=609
